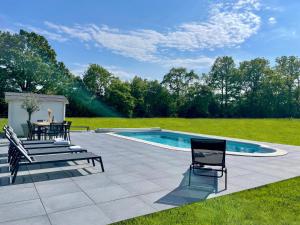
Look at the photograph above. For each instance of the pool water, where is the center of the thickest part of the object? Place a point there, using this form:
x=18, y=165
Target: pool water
x=180, y=140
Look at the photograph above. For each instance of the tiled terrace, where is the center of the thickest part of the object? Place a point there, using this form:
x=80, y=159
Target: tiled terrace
x=139, y=179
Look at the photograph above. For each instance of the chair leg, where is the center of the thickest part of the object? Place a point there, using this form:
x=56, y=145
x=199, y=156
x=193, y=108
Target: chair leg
x=225, y=179
x=190, y=171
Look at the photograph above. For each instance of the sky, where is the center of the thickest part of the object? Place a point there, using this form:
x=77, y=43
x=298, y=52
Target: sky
x=147, y=38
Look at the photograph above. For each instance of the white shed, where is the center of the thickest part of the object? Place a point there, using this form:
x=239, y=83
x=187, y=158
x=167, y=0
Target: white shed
x=18, y=116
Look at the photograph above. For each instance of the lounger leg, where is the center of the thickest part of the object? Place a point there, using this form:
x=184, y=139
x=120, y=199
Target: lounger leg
x=88, y=161
x=93, y=161
x=190, y=171
x=101, y=163
x=15, y=173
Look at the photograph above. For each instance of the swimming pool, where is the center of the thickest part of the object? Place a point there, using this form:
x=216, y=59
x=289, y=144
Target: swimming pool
x=181, y=141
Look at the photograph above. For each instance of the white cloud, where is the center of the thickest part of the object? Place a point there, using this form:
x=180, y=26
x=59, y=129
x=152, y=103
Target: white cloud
x=191, y=63
x=228, y=25
x=119, y=72
x=78, y=69
x=50, y=35
x=272, y=20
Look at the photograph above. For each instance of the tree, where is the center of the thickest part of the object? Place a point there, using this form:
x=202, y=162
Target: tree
x=253, y=74
x=138, y=87
x=289, y=68
x=177, y=81
x=158, y=101
x=28, y=62
x=223, y=79
x=31, y=105
x=119, y=97
x=97, y=79
x=200, y=100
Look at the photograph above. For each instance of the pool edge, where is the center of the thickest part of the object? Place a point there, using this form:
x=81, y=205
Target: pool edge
x=278, y=152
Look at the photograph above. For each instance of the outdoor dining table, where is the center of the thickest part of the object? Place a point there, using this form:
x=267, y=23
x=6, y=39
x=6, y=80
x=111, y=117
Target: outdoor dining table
x=40, y=126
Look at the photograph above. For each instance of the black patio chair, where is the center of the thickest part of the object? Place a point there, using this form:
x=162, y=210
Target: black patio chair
x=67, y=128
x=208, y=155
x=32, y=131
x=21, y=157
x=55, y=130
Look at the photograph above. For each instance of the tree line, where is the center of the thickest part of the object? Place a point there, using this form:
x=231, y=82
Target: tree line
x=251, y=88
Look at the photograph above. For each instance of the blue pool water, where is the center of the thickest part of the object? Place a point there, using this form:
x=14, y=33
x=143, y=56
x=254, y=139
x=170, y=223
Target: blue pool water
x=183, y=141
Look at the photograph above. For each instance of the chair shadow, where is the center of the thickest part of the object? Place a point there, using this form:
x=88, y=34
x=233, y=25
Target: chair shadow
x=201, y=187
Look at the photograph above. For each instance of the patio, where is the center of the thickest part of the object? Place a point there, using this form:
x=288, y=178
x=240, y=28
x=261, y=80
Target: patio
x=138, y=179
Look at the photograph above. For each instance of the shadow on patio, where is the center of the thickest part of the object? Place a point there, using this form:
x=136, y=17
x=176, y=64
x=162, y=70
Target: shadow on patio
x=201, y=187
x=44, y=172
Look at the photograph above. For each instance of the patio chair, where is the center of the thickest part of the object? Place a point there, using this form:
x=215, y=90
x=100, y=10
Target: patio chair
x=67, y=128
x=208, y=155
x=21, y=157
x=32, y=131
x=55, y=130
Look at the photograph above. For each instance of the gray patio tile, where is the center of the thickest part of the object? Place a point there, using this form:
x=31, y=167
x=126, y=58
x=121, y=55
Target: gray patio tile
x=253, y=180
x=66, y=201
x=171, y=182
x=153, y=199
x=125, y=208
x=153, y=173
x=126, y=178
x=109, y=193
x=88, y=215
x=189, y=194
x=92, y=181
x=25, y=209
x=49, y=175
x=55, y=181
x=16, y=195
x=52, y=189
x=16, y=186
x=38, y=220
x=141, y=187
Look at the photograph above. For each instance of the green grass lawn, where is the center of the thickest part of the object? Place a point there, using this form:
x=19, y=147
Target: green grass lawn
x=277, y=203
x=285, y=131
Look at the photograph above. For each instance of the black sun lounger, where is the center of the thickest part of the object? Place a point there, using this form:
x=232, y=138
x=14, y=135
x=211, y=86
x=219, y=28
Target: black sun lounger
x=17, y=159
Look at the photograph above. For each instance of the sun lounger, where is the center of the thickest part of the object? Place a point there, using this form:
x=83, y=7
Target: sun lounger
x=21, y=157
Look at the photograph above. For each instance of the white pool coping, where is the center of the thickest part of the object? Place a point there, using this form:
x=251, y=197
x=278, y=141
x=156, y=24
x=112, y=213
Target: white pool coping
x=278, y=152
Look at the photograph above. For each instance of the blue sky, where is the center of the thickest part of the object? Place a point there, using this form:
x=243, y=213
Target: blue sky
x=147, y=38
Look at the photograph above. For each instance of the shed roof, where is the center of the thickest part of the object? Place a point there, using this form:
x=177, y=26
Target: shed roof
x=11, y=96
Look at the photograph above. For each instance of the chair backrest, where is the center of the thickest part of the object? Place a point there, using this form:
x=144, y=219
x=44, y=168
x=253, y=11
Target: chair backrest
x=68, y=125
x=57, y=127
x=208, y=151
